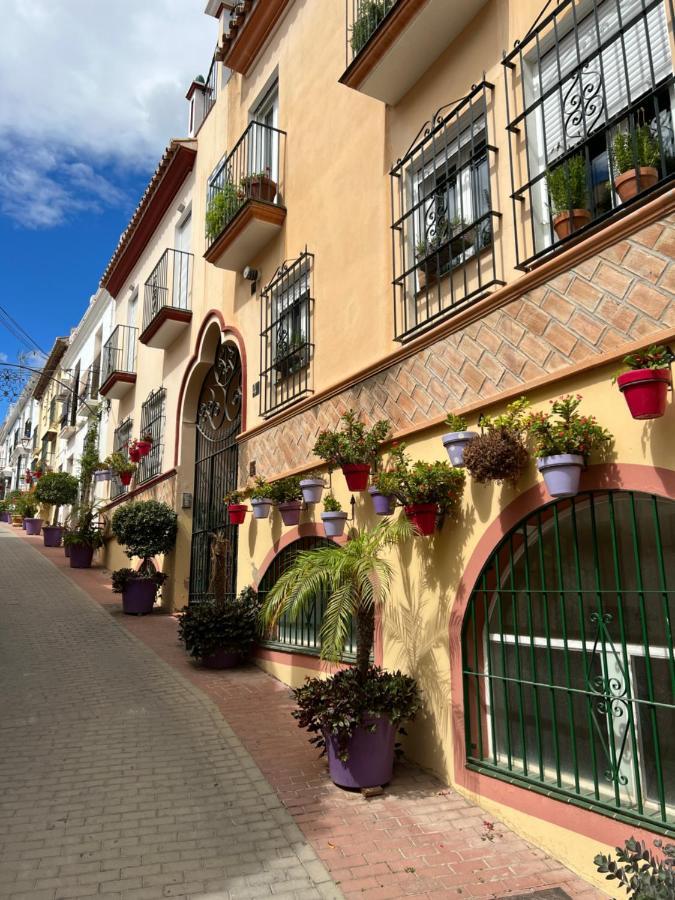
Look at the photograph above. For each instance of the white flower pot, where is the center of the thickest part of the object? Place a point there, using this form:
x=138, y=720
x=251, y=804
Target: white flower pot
x=561, y=473
x=455, y=442
x=312, y=489
x=334, y=523
x=261, y=508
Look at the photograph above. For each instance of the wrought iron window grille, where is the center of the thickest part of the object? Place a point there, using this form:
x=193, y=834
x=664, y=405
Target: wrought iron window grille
x=121, y=438
x=363, y=19
x=152, y=423
x=169, y=285
x=568, y=658
x=443, y=219
x=589, y=97
x=286, y=348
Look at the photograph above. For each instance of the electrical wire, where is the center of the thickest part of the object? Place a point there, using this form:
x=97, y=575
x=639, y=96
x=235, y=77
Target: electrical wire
x=18, y=332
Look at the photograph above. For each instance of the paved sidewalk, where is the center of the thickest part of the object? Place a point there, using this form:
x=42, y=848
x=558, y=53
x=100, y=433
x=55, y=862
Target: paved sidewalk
x=418, y=840
x=119, y=779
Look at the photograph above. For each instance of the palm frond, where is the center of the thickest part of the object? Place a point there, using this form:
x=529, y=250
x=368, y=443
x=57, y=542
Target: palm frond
x=337, y=621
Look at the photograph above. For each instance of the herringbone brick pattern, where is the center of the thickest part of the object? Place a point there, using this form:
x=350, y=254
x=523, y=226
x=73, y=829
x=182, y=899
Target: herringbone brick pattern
x=623, y=294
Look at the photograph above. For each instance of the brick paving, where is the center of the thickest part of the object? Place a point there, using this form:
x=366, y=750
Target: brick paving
x=417, y=840
x=119, y=780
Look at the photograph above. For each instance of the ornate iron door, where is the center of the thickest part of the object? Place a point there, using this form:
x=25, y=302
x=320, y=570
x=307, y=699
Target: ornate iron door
x=216, y=466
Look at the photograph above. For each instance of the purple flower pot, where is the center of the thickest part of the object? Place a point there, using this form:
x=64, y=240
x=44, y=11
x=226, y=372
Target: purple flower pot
x=23, y=524
x=66, y=551
x=455, y=442
x=52, y=535
x=81, y=556
x=33, y=526
x=138, y=596
x=290, y=512
x=312, y=488
x=261, y=508
x=334, y=523
x=371, y=756
x=561, y=473
x=382, y=504
x=6, y=517
x=221, y=659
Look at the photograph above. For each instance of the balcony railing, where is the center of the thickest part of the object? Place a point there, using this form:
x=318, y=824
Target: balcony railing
x=167, y=292
x=364, y=17
x=211, y=88
x=119, y=358
x=590, y=118
x=89, y=385
x=252, y=172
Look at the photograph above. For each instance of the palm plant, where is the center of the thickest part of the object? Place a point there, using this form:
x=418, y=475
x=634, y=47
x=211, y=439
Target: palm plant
x=353, y=577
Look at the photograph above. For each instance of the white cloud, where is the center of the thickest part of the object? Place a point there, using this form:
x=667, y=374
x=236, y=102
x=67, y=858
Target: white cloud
x=87, y=85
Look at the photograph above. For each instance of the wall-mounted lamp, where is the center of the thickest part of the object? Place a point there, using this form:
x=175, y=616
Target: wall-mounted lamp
x=250, y=274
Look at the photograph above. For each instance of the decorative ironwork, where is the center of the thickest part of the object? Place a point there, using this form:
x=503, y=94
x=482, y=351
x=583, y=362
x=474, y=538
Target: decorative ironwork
x=119, y=352
x=583, y=105
x=169, y=285
x=121, y=438
x=220, y=403
x=152, y=423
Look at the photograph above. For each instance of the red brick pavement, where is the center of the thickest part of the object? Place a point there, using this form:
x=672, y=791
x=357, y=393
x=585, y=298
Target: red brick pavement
x=417, y=840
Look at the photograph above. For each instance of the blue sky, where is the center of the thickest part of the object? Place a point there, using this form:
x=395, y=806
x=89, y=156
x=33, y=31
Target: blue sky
x=91, y=95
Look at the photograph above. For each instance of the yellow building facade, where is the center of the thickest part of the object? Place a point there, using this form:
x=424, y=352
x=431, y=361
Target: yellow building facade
x=371, y=228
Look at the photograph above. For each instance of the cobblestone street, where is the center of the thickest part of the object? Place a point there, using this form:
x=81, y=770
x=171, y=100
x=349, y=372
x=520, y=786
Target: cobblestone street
x=121, y=778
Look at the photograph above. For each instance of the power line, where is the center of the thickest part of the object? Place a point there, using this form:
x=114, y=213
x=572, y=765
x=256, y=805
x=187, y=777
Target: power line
x=18, y=332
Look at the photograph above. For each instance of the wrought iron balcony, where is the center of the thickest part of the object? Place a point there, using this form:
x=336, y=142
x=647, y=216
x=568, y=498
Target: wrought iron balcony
x=244, y=200
x=390, y=44
x=88, y=395
x=166, y=305
x=118, y=372
x=250, y=25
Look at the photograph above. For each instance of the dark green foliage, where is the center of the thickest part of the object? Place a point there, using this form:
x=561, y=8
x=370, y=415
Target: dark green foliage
x=370, y=14
x=346, y=701
x=353, y=443
x=632, y=150
x=568, y=185
x=421, y=482
x=25, y=505
x=230, y=624
x=642, y=874
x=121, y=577
x=145, y=528
x=655, y=357
x=330, y=504
x=285, y=490
x=89, y=460
x=499, y=453
x=222, y=207
x=57, y=489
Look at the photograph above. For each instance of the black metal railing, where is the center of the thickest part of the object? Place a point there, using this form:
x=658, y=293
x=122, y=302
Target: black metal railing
x=286, y=346
x=119, y=352
x=89, y=384
x=211, y=88
x=443, y=218
x=54, y=418
x=364, y=17
x=121, y=438
x=590, y=117
x=169, y=285
x=252, y=171
x=152, y=423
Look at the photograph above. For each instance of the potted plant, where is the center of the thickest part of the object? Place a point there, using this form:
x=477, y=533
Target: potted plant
x=456, y=439
x=15, y=517
x=287, y=494
x=499, y=453
x=568, y=191
x=222, y=207
x=646, y=385
x=425, y=490
x=236, y=509
x=4, y=512
x=103, y=472
x=635, y=159
x=28, y=508
x=639, y=871
x=353, y=448
x=333, y=518
x=355, y=714
x=312, y=487
x=145, y=528
x=261, y=498
x=292, y=354
x=221, y=633
x=383, y=504
x=134, y=452
x=143, y=444
x=83, y=537
x=259, y=186
x=56, y=489
x=433, y=254
x=562, y=440
x=122, y=467
x=370, y=14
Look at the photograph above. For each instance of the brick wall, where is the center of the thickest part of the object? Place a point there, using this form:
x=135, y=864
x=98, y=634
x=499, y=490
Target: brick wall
x=623, y=294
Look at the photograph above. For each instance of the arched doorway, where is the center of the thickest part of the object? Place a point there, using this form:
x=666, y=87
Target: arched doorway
x=216, y=469
x=567, y=655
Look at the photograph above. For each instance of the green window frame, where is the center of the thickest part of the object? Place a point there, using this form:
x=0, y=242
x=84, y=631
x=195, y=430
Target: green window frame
x=302, y=635
x=567, y=656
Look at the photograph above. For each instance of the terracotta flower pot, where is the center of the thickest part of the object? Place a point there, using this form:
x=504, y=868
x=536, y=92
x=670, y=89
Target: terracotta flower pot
x=237, y=513
x=565, y=223
x=356, y=475
x=634, y=181
x=290, y=512
x=261, y=188
x=125, y=478
x=645, y=391
x=423, y=517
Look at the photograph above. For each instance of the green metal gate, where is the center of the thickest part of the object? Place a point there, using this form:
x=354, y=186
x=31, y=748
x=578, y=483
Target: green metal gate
x=568, y=663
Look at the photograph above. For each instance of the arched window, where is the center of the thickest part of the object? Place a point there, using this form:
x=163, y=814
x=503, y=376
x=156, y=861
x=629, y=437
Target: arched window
x=568, y=664
x=303, y=634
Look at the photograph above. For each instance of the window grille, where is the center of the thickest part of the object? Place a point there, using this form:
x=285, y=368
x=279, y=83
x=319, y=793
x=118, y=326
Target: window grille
x=568, y=662
x=121, y=438
x=587, y=73
x=152, y=423
x=286, y=347
x=303, y=634
x=443, y=220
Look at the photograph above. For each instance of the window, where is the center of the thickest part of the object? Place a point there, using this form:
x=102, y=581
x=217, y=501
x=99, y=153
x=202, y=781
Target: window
x=121, y=438
x=286, y=339
x=302, y=635
x=568, y=661
x=152, y=423
x=591, y=71
x=443, y=218
x=263, y=147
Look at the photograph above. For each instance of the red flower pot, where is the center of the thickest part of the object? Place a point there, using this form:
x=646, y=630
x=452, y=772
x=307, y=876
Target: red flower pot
x=125, y=478
x=423, y=517
x=144, y=447
x=645, y=391
x=237, y=513
x=356, y=475
x=134, y=454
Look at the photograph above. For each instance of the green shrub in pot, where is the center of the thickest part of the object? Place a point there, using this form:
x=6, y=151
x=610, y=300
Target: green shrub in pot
x=229, y=624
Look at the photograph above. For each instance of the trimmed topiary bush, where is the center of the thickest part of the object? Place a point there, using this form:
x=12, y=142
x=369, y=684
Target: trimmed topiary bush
x=145, y=528
x=57, y=489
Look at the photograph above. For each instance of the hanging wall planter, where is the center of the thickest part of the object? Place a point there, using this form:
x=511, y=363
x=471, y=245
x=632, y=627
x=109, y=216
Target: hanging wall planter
x=290, y=511
x=356, y=475
x=125, y=478
x=353, y=448
x=423, y=517
x=144, y=447
x=261, y=507
x=237, y=513
x=383, y=504
x=561, y=474
x=134, y=454
x=103, y=474
x=312, y=489
x=455, y=442
x=646, y=391
x=334, y=523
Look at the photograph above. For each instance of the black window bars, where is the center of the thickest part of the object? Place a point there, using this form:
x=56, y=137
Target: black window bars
x=589, y=112
x=121, y=438
x=443, y=218
x=152, y=423
x=286, y=347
